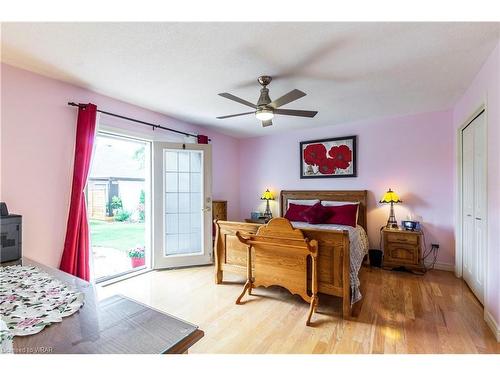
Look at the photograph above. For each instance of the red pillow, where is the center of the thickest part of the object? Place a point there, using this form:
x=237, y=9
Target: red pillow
x=294, y=212
x=317, y=214
x=342, y=215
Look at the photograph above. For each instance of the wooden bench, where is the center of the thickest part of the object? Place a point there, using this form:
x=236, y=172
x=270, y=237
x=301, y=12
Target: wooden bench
x=278, y=255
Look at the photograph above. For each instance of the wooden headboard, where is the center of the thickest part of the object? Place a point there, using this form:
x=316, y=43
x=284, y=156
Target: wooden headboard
x=328, y=195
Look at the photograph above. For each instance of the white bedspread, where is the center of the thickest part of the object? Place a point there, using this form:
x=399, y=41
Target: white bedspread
x=358, y=249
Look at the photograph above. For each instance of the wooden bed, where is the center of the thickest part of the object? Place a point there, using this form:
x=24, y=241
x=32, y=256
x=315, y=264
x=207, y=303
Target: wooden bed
x=333, y=246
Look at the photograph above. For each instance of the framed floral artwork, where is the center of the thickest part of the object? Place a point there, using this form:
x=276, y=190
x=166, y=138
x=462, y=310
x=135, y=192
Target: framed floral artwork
x=332, y=157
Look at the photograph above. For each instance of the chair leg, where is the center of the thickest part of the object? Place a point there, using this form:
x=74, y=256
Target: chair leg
x=248, y=286
x=312, y=308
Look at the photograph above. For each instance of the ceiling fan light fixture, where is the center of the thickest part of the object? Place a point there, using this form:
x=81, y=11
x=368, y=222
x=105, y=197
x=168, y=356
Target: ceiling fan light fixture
x=264, y=114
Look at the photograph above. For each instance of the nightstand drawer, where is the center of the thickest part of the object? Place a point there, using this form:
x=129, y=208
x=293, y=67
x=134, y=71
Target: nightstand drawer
x=400, y=253
x=402, y=238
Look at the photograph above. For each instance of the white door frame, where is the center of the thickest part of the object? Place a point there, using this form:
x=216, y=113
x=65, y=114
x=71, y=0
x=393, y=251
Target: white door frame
x=158, y=204
x=458, y=238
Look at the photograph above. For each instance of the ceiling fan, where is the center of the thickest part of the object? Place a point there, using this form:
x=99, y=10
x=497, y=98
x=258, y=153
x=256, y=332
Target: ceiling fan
x=265, y=109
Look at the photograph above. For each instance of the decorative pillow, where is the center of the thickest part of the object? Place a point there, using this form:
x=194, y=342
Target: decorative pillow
x=302, y=202
x=342, y=215
x=341, y=203
x=294, y=212
x=317, y=214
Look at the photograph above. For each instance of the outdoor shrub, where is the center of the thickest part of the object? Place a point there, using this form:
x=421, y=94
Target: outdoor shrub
x=122, y=215
x=140, y=207
x=116, y=203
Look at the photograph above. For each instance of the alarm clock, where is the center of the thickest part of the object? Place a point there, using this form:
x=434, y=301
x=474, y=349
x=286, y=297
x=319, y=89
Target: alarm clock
x=410, y=225
x=255, y=215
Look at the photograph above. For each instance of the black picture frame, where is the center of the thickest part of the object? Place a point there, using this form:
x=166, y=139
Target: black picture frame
x=338, y=140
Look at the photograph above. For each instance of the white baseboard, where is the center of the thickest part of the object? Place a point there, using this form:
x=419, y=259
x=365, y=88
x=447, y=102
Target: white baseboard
x=494, y=326
x=444, y=267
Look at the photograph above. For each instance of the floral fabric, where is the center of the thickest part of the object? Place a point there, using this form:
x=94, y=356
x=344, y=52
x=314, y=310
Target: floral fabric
x=6, y=338
x=31, y=299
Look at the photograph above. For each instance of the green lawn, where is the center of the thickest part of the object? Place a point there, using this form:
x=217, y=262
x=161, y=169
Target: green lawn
x=118, y=235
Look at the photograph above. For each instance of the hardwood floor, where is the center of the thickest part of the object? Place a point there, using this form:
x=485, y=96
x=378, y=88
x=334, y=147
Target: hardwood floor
x=400, y=313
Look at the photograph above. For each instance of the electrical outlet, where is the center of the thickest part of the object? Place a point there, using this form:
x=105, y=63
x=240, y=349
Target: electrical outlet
x=436, y=245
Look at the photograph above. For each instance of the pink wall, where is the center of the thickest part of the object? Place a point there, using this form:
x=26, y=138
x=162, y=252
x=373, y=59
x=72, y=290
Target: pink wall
x=485, y=89
x=415, y=155
x=37, y=143
x=412, y=155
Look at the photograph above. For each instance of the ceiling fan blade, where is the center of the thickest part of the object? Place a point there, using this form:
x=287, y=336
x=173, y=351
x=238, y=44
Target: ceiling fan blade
x=238, y=114
x=287, y=98
x=236, y=99
x=267, y=123
x=295, y=112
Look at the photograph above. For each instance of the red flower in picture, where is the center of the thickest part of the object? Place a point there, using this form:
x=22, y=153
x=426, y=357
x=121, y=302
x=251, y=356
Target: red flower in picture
x=327, y=166
x=341, y=155
x=314, y=153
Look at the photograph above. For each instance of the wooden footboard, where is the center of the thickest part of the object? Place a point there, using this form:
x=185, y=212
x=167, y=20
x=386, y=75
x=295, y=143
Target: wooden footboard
x=333, y=257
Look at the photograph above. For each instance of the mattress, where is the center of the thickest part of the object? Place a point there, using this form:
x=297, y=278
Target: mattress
x=358, y=241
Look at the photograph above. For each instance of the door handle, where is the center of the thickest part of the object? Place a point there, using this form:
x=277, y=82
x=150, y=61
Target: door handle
x=478, y=218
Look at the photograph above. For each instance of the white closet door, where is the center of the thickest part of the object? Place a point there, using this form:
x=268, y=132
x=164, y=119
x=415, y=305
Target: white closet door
x=468, y=203
x=474, y=203
x=480, y=202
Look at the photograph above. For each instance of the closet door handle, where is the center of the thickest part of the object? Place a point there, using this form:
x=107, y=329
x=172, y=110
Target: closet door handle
x=478, y=218
x=469, y=215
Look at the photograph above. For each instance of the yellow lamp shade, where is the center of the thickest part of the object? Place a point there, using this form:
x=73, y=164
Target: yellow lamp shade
x=390, y=197
x=267, y=195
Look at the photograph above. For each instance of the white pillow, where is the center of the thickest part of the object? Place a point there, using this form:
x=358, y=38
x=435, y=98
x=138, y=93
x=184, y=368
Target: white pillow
x=303, y=202
x=336, y=203
x=341, y=203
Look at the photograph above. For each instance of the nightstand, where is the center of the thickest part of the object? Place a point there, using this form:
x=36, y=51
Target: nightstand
x=402, y=248
x=219, y=210
x=257, y=221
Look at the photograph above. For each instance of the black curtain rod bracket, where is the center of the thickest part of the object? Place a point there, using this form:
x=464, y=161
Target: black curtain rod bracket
x=154, y=126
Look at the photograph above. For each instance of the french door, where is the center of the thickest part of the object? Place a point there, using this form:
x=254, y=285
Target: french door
x=474, y=202
x=182, y=205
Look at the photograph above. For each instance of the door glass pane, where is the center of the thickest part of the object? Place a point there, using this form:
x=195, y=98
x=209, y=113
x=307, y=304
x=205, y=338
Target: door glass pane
x=195, y=182
x=172, y=243
x=170, y=161
x=183, y=204
x=171, y=181
x=184, y=182
x=172, y=223
x=118, y=198
x=196, y=202
x=196, y=162
x=183, y=161
x=171, y=203
x=184, y=226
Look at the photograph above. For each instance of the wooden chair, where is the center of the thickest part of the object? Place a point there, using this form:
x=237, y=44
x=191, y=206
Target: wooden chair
x=277, y=255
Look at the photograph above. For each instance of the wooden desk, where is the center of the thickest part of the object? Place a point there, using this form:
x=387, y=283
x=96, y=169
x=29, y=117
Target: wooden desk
x=114, y=325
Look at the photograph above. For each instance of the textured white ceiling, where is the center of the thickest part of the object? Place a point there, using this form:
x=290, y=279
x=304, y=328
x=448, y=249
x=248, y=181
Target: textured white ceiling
x=350, y=71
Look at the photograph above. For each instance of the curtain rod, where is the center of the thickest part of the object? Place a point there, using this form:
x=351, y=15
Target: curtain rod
x=154, y=126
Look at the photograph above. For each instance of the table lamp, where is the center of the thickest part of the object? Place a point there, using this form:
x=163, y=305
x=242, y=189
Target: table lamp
x=391, y=197
x=267, y=196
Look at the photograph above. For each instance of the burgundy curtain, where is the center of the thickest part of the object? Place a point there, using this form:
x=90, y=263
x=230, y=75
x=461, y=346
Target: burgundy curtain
x=75, y=257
